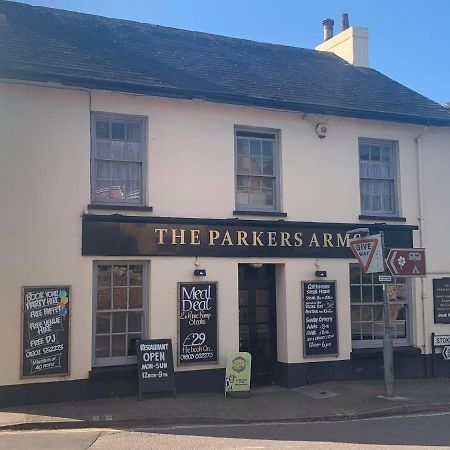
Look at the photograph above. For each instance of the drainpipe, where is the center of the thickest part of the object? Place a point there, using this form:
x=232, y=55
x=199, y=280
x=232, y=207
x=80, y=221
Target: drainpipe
x=418, y=143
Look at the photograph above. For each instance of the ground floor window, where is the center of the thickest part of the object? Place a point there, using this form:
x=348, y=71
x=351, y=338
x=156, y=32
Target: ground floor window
x=119, y=311
x=366, y=302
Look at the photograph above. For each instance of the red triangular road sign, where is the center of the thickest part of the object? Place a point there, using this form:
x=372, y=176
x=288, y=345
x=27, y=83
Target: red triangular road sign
x=364, y=249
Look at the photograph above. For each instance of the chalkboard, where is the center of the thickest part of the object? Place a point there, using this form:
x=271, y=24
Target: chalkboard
x=155, y=365
x=45, y=330
x=441, y=300
x=319, y=318
x=197, y=322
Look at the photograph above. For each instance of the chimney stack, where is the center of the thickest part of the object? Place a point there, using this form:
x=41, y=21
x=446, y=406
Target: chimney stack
x=327, y=29
x=344, y=22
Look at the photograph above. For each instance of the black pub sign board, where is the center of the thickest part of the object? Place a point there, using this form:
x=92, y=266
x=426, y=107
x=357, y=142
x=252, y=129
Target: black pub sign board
x=155, y=365
x=319, y=318
x=441, y=300
x=171, y=236
x=197, y=322
x=45, y=330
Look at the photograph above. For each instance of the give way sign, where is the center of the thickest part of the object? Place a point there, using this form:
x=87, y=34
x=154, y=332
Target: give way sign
x=369, y=253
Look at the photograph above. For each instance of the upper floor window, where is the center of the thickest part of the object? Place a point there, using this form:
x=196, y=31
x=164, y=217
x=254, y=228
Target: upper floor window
x=257, y=170
x=378, y=177
x=117, y=159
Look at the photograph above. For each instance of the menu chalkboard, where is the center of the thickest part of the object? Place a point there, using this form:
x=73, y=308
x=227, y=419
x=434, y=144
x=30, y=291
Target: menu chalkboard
x=45, y=330
x=155, y=365
x=441, y=300
x=319, y=318
x=197, y=322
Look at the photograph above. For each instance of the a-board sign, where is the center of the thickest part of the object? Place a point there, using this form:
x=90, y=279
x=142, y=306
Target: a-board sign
x=197, y=322
x=155, y=365
x=238, y=372
x=441, y=300
x=45, y=330
x=319, y=318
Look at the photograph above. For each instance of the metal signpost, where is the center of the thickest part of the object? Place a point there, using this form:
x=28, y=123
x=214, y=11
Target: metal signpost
x=401, y=262
x=364, y=248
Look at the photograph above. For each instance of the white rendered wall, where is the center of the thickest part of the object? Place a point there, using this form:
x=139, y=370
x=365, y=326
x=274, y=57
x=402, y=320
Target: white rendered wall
x=45, y=178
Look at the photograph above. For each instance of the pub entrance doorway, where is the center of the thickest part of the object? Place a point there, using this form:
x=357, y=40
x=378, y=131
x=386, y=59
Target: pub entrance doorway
x=257, y=320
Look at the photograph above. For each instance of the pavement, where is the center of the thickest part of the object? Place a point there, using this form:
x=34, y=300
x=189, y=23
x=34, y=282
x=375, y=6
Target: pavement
x=330, y=401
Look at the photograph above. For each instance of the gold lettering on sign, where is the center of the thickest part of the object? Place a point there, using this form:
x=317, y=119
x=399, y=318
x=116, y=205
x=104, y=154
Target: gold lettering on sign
x=327, y=237
x=195, y=237
x=227, y=239
x=242, y=238
x=342, y=242
x=285, y=239
x=298, y=239
x=213, y=236
x=272, y=238
x=179, y=236
x=256, y=238
x=314, y=240
x=161, y=232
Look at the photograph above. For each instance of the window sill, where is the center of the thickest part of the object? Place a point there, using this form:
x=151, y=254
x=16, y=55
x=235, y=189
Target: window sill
x=260, y=213
x=111, y=372
x=120, y=207
x=388, y=218
x=377, y=352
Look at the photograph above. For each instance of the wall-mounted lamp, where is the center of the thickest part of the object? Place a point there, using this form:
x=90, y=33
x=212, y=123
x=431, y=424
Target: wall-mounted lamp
x=200, y=273
x=320, y=273
x=256, y=265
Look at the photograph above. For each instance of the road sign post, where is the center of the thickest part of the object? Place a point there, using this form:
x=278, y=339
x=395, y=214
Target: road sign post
x=369, y=251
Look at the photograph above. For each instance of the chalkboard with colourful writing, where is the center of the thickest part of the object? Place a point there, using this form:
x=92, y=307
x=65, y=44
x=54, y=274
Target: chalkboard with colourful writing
x=45, y=330
x=319, y=318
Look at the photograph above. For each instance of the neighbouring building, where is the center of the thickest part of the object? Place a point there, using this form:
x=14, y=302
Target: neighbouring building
x=133, y=155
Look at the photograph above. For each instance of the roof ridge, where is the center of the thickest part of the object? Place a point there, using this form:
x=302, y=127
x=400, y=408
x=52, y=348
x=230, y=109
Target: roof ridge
x=153, y=25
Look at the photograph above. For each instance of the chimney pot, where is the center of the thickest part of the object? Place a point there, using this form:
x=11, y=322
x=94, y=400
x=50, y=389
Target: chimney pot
x=344, y=22
x=327, y=28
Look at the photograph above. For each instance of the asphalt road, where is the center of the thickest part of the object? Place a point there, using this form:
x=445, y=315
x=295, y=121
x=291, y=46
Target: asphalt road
x=399, y=432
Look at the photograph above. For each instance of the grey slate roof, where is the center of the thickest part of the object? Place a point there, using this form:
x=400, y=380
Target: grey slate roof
x=43, y=44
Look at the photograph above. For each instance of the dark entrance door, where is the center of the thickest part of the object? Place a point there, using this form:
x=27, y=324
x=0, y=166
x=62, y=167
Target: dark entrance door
x=257, y=320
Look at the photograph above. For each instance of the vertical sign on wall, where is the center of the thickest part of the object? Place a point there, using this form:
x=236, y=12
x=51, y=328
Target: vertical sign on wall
x=441, y=300
x=197, y=322
x=319, y=318
x=45, y=330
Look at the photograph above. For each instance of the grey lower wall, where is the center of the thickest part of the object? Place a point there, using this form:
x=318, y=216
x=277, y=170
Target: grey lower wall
x=118, y=382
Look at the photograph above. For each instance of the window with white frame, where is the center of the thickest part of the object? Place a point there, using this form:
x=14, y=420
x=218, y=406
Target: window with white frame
x=119, y=311
x=117, y=159
x=378, y=177
x=366, y=303
x=257, y=170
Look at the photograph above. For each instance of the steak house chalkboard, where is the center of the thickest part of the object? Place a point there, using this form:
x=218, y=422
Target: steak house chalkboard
x=45, y=330
x=197, y=322
x=155, y=365
x=319, y=318
x=441, y=297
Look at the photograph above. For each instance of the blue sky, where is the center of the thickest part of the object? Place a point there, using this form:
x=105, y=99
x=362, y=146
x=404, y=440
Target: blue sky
x=408, y=39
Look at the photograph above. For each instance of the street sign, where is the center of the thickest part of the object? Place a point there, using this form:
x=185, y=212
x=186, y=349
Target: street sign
x=407, y=262
x=369, y=253
x=384, y=278
x=446, y=352
x=441, y=340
